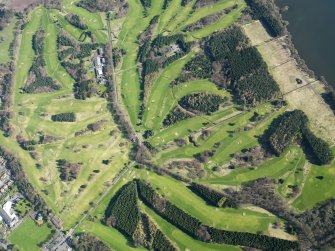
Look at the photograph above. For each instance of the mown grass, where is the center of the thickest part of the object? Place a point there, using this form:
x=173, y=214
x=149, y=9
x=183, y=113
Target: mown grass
x=90, y=149
x=7, y=36
x=152, y=115
x=221, y=24
x=223, y=218
x=185, y=127
x=134, y=24
x=318, y=187
x=227, y=134
x=206, y=11
x=182, y=240
x=28, y=236
x=274, y=168
x=94, y=21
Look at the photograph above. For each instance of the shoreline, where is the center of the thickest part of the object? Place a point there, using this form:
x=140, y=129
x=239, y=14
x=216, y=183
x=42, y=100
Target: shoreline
x=295, y=53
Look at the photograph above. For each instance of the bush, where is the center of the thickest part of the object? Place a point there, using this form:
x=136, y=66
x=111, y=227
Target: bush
x=64, y=117
x=202, y=102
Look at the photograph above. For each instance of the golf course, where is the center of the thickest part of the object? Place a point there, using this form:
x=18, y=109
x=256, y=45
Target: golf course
x=173, y=112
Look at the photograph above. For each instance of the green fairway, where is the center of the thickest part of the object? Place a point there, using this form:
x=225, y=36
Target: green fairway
x=94, y=21
x=318, y=187
x=29, y=237
x=222, y=134
x=7, y=36
x=26, y=52
x=225, y=218
x=183, y=241
x=190, y=121
x=274, y=168
x=152, y=116
x=35, y=111
x=132, y=27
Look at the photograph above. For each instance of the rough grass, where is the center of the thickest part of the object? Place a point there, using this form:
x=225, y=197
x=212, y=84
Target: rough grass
x=285, y=71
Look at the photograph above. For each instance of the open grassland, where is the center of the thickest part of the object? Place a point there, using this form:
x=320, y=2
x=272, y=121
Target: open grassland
x=221, y=24
x=6, y=36
x=152, y=116
x=230, y=129
x=26, y=52
x=134, y=24
x=28, y=236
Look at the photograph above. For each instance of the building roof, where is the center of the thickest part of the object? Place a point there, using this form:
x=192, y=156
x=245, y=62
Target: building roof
x=5, y=217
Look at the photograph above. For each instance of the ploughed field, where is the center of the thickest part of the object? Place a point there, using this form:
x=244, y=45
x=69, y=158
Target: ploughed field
x=200, y=89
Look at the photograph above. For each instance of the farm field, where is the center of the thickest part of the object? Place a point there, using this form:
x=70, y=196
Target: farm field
x=187, y=102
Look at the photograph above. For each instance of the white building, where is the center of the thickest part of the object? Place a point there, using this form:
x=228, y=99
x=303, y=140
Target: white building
x=98, y=67
x=8, y=215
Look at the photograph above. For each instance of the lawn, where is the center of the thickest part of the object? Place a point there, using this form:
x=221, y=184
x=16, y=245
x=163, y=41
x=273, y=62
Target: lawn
x=28, y=236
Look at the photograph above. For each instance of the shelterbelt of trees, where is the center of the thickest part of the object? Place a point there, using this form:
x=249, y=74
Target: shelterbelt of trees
x=124, y=213
x=292, y=126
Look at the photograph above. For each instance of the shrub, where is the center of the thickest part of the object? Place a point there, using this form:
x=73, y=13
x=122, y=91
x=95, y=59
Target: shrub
x=202, y=102
x=64, y=117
